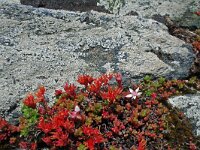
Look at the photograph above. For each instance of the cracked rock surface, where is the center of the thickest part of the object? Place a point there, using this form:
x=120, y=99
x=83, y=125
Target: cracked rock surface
x=49, y=47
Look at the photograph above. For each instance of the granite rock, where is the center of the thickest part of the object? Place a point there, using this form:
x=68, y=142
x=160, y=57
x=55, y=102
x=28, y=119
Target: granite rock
x=148, y=8
x=190, y=105
x=73, y=5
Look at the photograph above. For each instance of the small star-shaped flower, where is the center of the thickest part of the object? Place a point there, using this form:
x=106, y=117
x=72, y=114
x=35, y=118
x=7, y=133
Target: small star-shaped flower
x=133, y=94
x=75, y=113
x=77, y=109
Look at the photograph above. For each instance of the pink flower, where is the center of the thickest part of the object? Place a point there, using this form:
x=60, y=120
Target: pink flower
x=133, y=94
x=74, y=113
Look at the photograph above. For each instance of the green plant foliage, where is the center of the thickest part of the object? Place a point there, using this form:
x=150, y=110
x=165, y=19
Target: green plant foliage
x=82, y=147
x=30, y=117
x=147, y=78
x=98, y=108
x=30, y=114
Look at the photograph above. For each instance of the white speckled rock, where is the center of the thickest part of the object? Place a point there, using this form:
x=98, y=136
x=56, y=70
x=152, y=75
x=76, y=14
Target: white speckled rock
x=10, y=1
x=190, y=105
x=148, y=8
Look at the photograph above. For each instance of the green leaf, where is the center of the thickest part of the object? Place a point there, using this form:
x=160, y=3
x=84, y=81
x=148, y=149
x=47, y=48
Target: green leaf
x=144, y=112
x=148, y=92
x=24, y=132
x=82, y=147
x=106, y=102
x=97, y=108
x=156, y=84
x=161, y=80
x=147, y=78
x=112, y=147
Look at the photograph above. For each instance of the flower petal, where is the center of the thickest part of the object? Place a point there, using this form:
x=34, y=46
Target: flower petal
x=129, y=95
x=134, y=97
x=73, y=114
x=77, y=109
x=137, y=90
x=139, y=93
x=131, y=91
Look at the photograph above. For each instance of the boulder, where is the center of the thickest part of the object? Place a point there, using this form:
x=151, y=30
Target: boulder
x=10, y=1
x=73, y=5
x=190, y=105
x=176, y=9
x=50, y=47
x=58, y=3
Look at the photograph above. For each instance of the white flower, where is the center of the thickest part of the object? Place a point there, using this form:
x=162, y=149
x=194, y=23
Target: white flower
x=133, y=94
x=77, y=109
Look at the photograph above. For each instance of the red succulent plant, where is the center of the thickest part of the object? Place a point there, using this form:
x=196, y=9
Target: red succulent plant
x=98, y=116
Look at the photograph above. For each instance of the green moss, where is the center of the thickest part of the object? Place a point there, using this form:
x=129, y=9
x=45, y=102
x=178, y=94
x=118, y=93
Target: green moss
x=179, y=130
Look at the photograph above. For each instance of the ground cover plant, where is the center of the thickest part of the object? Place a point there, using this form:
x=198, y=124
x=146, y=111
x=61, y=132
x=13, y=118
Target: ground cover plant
x=104, y=115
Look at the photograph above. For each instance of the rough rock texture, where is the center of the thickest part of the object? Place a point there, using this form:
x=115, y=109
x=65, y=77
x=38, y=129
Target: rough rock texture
x=148, y=8
x=56, y=3
x=73, y=5
x=10, y=1
x=41, y=46
x=190, y=105
x=189, y=19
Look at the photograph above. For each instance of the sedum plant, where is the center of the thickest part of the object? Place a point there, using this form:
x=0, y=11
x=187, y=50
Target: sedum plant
x=102, y=115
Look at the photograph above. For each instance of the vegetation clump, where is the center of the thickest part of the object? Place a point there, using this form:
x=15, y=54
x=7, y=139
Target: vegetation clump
x=103, y=115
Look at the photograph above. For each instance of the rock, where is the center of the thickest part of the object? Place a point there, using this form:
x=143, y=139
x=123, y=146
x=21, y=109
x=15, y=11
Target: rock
x=195, y=69
x=148, y=8
x=190, y=19
x=190, y=105
x=181, y=11
x=49, y=47
x=73, y=5
x=10, y=1
x=58, y=3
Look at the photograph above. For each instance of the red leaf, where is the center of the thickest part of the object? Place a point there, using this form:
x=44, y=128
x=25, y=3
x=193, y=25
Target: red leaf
x=153, y=95
x=142, y=145
x=58, y=92
x=90, y=131
x=192, y=146
x=196, y=44
x=197, y=13
x=23, y=145
x=95, y=86
x=29, y=101
x=33, y=146
x=90, y=144
x=47, y=140
x=85, y=80
x=70, y=89
x=45, y=127
x=111, y=94
x=98, y=139
x=118, y=78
